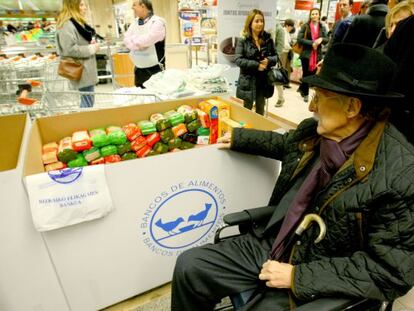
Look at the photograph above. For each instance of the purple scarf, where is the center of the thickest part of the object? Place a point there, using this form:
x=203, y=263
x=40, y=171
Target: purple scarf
x=332, y=156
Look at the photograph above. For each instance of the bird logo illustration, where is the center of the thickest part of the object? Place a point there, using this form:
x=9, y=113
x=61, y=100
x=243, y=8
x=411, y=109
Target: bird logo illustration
x=200, y=216
x=169, y=226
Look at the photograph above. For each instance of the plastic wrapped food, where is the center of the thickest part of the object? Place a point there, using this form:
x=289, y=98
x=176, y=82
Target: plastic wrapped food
x=190, y=116
x=98, y=161
x=65, y=151
x=109, y=150
x=131, y=131
x=175, y=117
x=97, y=131
x=112, y=128
x=55, y=166
x=190, y=137
x=186, y=145
x=112, y=158
x=163, y=124
x=81, y=141
x=117, y=137
x=160, y=148
x=138, y=143
x=53, y=146
x=166, y=135
x=147, y=127
x=174, y=143
x=143, y=152
x=92, y=154
x=156, y=117
x=124, y=148
x=152, y=139
x=128, y=156
x=50, y=157
x=193, y=125
x=179, y=129
x=78, y=162
x=100, y=140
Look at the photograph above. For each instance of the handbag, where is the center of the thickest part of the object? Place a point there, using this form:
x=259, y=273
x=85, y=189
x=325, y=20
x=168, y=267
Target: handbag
x=297, y=47
x=70, y=69
x=277, y=74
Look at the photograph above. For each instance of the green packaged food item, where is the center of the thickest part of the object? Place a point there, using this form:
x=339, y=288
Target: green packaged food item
x=98, y=131
x=191, y=116
x=203, y=131
x=152, y=153
x=163, y=124
x=78, y=162
x=175, y=118
x=67, y=155
x=193, y=125
x=174, y=143
x=167, y=135
x=147, y=127
x=186, y=145
x=128, y=156
x=124, y=148
x=92, y=154
x=160, y=148
x=100, y=140
x=117, y=138
x=109, y=150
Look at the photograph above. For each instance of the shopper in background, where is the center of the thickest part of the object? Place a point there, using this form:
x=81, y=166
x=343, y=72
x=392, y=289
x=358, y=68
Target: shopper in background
x=280, y=37
x=364, y=7
x=341, y=25
x=255, y=54
x=365, y=29
x=75, y=39
x=312, y=36
x=145, y=38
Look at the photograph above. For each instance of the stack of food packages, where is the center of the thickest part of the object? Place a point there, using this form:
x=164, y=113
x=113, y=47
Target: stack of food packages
x=175, y=130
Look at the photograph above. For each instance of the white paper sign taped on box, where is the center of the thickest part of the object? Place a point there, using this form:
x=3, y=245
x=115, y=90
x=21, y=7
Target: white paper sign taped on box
x=67, y=197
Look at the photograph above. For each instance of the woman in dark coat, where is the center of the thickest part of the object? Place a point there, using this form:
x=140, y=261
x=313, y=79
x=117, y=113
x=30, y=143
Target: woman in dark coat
x=311, y=35
x=255, y=55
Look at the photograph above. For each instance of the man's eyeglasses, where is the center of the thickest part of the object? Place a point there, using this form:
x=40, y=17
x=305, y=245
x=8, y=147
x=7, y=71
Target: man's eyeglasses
x=316, y=97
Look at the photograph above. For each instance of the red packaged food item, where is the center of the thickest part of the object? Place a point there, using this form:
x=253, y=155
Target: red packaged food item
x=143, y=152
x=50, y=147
x=97, y=161
x=138, y=143
x=81, y=141
x=113, y=158
x=179, y=129
x=152, y=139
x=55, y=166
x=204, y=118
x=50, y=157
x=132, y=131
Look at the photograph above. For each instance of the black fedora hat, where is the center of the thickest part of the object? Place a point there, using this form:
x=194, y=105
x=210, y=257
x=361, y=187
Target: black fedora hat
x=356, y=70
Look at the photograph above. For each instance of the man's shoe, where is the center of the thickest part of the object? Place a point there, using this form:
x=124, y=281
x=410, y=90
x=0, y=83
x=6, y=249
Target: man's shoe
x=279, y=103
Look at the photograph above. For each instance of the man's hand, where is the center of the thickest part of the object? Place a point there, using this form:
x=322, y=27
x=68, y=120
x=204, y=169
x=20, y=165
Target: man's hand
x=265, y=62
x=277, y=274
x=224, y=142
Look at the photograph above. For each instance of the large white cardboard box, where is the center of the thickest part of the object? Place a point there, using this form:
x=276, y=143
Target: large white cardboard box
x=27, y=278
x=164, y=205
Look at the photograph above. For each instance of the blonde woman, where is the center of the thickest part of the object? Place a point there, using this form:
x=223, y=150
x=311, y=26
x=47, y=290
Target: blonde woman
x=76, y=39
x=399, y=12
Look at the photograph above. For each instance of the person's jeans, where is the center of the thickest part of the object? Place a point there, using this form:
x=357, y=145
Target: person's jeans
x=87, y=101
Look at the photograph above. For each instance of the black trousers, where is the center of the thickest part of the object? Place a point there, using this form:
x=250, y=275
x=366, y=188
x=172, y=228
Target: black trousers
x=304, y=87
x=206, y=274
x=143, y=74
x=260, y=100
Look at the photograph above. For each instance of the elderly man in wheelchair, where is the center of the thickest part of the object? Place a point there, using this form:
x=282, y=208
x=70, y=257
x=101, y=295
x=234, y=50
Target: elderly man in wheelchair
x=347, y=170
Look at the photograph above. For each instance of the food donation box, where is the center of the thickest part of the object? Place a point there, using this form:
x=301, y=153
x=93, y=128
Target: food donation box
x=162, y=204
x=28, y=280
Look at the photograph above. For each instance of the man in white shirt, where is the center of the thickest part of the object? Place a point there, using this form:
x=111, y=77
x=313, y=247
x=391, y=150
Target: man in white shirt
x=145, y=38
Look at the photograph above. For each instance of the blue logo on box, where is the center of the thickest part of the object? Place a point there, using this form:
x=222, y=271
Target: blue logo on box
x=186, y=217
x=66, y=176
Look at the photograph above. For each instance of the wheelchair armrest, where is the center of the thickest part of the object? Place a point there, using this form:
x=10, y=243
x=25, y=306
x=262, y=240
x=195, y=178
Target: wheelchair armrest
x=334, y=304
x=248, y=216
x=244, y=218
